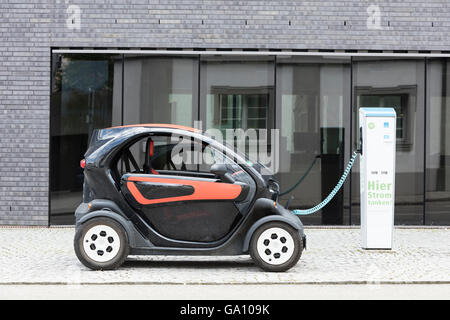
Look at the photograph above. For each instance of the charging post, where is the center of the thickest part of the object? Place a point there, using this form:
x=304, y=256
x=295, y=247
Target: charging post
x=377, y=176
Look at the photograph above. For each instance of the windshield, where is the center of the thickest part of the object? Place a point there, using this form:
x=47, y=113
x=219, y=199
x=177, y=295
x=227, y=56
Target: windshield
x=261, y=168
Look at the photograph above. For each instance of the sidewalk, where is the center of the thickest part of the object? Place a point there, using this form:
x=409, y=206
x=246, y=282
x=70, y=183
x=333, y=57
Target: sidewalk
x=46, y=256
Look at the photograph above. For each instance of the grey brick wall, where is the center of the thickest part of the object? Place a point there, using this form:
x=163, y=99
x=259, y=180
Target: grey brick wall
x=30, y=28
x=24, y=111
x=404, y=24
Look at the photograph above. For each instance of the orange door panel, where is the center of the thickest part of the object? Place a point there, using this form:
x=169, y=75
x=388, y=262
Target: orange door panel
x=202, y=190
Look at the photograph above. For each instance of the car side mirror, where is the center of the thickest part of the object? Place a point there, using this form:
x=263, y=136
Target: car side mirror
x=220, y=170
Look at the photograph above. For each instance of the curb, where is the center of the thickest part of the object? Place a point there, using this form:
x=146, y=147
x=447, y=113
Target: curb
x=372, y=283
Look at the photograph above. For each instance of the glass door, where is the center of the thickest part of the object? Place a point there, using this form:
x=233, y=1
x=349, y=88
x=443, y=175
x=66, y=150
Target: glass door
x=86, y=95
x=313, y=109
x=400, y=84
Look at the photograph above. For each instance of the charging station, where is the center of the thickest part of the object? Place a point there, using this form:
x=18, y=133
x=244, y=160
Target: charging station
x=377, y=176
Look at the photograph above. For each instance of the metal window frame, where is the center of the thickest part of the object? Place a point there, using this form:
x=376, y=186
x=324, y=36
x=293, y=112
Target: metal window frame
x=255, y=53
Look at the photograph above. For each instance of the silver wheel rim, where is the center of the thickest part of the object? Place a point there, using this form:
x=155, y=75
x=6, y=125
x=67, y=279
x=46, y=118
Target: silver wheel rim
x=275, y=246
x=101, y=243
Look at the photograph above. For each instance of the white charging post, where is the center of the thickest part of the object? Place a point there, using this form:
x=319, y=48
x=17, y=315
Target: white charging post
x=377, y=176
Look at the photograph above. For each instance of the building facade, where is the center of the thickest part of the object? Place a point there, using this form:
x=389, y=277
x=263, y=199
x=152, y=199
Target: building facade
x=303, y=67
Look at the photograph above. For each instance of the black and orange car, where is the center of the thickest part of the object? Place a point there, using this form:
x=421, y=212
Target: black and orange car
x=157, y=189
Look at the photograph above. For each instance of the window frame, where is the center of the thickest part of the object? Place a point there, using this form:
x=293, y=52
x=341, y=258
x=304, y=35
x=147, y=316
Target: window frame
x=405, y=92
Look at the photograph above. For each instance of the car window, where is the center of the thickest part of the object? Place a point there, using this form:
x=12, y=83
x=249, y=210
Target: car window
x=161, y=158
x=181, y=154
x=174, y=153
x=131, y=159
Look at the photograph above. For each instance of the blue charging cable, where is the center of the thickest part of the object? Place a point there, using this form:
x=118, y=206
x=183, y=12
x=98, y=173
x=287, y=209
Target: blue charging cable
x=332, y=193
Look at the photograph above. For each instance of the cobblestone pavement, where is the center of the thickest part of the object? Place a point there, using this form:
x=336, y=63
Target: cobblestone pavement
x=45, y=255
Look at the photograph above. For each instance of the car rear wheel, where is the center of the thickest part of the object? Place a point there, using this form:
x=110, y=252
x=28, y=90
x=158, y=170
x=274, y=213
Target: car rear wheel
x=276, y=247
x=101, y=244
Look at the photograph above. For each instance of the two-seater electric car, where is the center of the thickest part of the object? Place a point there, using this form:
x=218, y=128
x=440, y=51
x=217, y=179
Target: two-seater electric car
x=160, y=189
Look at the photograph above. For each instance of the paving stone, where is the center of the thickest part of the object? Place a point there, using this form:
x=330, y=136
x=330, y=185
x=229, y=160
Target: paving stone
x=46, y=255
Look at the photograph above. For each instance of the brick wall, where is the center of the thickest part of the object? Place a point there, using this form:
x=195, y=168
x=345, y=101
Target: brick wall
x=24, y=111
x=29, y=28
x=403, y=24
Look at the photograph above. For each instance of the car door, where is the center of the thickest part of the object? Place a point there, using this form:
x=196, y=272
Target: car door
x=179, y=196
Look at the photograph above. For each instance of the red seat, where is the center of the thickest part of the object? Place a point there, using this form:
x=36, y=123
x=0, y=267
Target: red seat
x=150, y=154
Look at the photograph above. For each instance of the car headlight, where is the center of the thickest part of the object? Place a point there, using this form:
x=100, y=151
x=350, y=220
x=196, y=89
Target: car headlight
x=273, y=186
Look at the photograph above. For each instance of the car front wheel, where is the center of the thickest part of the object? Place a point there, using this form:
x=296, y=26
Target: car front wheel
x=276, y=247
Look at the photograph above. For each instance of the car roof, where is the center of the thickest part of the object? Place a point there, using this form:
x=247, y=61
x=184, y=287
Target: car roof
x=158, y=125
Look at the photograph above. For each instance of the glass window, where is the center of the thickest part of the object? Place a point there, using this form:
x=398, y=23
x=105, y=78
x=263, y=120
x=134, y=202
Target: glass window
x=310, y=105
x=237, y=92
x=86, y=95
x=399, y=101
x=178, y=153
x=396, y=83
x=313, y=112
x=172, y=154
x=132, y=159
x=438, y=142
x=160, y=89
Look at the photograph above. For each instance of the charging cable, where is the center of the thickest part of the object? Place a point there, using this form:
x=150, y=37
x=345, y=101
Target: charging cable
x=332, y=193
x=302, y=178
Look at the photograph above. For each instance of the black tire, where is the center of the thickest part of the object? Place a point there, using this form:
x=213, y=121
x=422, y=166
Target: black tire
x=294, y=257
x=122, y=251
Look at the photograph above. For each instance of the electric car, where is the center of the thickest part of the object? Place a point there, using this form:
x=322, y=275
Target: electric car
x=161, y=189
